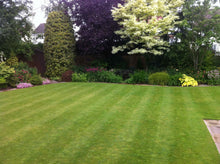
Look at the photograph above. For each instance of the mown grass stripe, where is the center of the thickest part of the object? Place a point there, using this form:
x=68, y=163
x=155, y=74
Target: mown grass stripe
x=84, y=117
x=30, y=98
x=27, y=104
x=190, y=138
x=81, y=128
x=26, y=110
x=208, y=100
x=126, y=135
x=30, y=126
x=77, y=147
x=163, y=139
x=15, y=94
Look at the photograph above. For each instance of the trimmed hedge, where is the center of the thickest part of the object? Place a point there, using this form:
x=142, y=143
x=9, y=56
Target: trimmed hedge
x=159, y=78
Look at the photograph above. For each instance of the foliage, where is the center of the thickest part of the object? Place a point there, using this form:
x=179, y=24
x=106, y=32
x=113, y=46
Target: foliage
x=12, y=81
x=59, y=44
x=67, y=76
x=3, y=83
x=56, y=78
x=78, y=69
x=23, y=75
x=103, y=76
x=214, y=81
x=96, y=32
x=194, y=32
x=200, y=76
x=139, y=77
x=174, y=80
x=144, y=23
x=12, y=61
x=188, y=81
x=36, y=80
x=24, y=85
x=14, y=24
x=79, y=77
x=159, y=78
x=24, y=66
x=6, y=71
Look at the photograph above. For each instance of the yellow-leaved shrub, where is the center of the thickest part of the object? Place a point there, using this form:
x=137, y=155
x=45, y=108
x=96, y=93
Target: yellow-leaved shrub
x=188, y=81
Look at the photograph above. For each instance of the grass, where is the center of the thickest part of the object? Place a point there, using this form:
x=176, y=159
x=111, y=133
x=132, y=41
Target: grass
x=108, y=123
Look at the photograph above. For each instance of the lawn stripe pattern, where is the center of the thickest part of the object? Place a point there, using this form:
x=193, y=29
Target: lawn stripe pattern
x=107, y=123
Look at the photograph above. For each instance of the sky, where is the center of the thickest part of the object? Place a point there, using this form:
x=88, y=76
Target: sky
x=39, y=16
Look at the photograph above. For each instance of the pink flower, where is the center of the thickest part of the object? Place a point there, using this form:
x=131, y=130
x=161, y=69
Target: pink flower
x=24, y=85
x=46, y=81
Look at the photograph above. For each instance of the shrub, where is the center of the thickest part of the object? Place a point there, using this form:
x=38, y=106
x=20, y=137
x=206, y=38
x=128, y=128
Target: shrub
x=24, y=66
x=12, y=61
x=174, y=80
x=124, y=73
x=139, y=77
x=12, y=81
x=3, y=83
x=6, y=71
x=79, y=77
x=188, y=81
x=92, y=74
x=36, y=80
x=159, y=78
x=214, y=81
x=104, y=76
x=110, y=77
x=23, y=75
x=24, y=85
x=59, y=44
x=200, y=76
x=67, y=76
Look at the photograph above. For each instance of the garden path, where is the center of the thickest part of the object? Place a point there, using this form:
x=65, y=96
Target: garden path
x=214, y=129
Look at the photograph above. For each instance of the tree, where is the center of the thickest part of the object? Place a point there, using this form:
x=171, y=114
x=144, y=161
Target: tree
x=144, y=23
x=14, y=24
x=199, y=29
x=59, y=44
x=96, y=25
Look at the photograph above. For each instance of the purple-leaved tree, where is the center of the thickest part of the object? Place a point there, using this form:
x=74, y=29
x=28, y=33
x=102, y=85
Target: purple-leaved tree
x=96, y=26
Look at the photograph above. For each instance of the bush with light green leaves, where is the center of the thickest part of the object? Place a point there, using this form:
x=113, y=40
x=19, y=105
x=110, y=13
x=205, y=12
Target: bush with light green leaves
x=188, y=81
x=59, y=44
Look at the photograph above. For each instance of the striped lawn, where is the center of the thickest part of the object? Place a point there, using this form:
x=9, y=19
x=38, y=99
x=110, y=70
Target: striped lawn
x=108, y=123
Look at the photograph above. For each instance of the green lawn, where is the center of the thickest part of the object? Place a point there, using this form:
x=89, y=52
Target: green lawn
x=108, y=123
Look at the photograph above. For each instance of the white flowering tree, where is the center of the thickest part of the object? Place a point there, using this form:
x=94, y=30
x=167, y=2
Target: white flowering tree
x=143, y=23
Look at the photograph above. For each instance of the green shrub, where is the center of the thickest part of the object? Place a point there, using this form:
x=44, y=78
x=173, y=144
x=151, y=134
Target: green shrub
x=104, y=76
x=12, y=81
x=159, y=78
x=200, y=76
x=3, y=83
x=59, y=44
x=36, y=80
x=12, y=61
x=188, y=81
x=24, y=66
x=6, y=71
x=139, y=77
x=79, y=77
x=56, y=78
x=23, y=76
x=174, y=80
x=214, y=81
